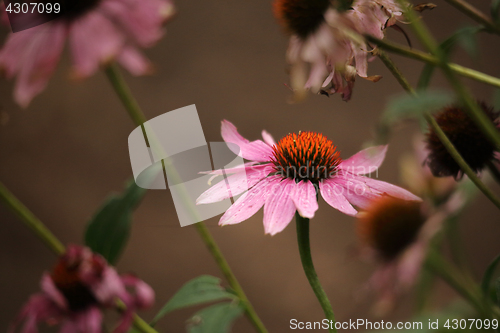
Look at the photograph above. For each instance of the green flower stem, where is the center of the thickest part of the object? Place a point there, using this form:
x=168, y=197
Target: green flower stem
x=307, y=264
x=439, y=132
x=430, y=59
x=137, y=116
x=52, y=242
x=472, y=108
x=465, y=286
x=475, y=14
x=31, y=221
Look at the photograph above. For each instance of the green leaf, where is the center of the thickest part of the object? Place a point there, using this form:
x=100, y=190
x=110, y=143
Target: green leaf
x=488, y=276
x=408, y=106
x=425, y=77
x=202, y=289
x=215, y=319
x=495, y=7
x=109, y=229
x=465, y=37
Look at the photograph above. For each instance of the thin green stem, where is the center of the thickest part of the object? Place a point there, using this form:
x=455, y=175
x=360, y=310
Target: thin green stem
x=51, y=241
x=475, y=14
x=471, y=107
x=307, y=264
x=440, y=133
x=31, y=221
x=138, y=117
x=465, y=286
x=430, y=59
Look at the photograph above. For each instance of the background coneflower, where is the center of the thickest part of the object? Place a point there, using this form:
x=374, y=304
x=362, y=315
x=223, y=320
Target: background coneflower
x=467, y=138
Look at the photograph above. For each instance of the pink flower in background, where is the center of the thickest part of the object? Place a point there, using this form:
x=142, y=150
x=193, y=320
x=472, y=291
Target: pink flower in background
x=284, y=178
x=397, y=235
x=75, y=293
x=97, y=31
x=322, y=54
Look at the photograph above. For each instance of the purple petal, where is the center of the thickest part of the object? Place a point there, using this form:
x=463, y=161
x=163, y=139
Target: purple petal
x=233, y=185
x=365, y=161
x=389, y=189
x=50, y=289
x=279, y=207
x=134, y=61
x=253, y=151
x=94, y=40
x=356, y=191
x=268, y=138
x=144, y=294
x=248, y=204
x=304, y=198
x=334, y=196
x=26, y=54
x=89, y=321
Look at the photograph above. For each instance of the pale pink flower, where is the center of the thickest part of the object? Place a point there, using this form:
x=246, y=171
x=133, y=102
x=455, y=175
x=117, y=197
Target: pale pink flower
x=75, y=293
x=324, y=53
x=284, y=178
x=97, y=31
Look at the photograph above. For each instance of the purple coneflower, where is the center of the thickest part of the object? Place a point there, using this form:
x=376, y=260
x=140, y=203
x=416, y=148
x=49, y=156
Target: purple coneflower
x=284, y=178
x=76, y=292
x=98, y=31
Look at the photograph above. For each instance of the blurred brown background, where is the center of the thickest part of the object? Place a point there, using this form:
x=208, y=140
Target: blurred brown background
x=64, y=155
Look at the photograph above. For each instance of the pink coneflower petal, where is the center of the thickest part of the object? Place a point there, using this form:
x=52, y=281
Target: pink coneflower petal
x=94, y=40
x=333, y=195
x=268, y=138
x=389, y=189
x=48, y=287
x=233, y=185
x=368, y=159
x=279, y=207
x=133, y=61
x=89, y=321
x=246, y=205
x=304, y=198
x=140, y=19
x=255, y=151
x=144, y=294
x=26, y=54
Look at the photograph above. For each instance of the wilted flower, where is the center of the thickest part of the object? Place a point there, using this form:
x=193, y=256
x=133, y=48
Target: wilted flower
x=98, y=31
x=467, y=138
x=80, y=286
x=284, y=178
x=323, y=53
x=396, y=233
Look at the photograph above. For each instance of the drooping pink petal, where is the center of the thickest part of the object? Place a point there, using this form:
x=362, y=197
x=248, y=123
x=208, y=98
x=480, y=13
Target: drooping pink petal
x=389, y=189
x=366, y=161
x=356, y=192
x=233, y=185
x=304, y=198
x=268, y=138
x=279, y=207
x=109, y=288
x=141, y=19
x=26, y=53
x=89, y=321
x=254, y=151
x=144, y=294
x=94, y=40
x=248, y=204
x=334, y=196
x=49, y=288
x=38, y=308
x=133, y=61
x=125, y=322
